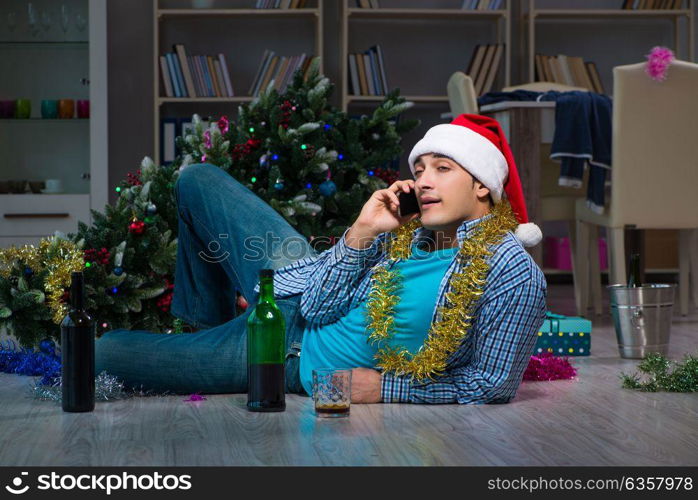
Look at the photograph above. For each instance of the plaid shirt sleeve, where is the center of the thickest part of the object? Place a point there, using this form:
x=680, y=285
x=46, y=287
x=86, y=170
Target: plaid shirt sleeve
x=505, y=334
x=334, y=280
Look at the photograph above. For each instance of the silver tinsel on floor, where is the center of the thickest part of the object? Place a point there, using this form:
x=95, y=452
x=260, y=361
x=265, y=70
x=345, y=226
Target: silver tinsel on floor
x=107, y=388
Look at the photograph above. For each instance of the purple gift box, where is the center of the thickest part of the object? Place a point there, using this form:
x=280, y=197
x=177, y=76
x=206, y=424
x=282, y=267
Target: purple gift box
x=557, y=254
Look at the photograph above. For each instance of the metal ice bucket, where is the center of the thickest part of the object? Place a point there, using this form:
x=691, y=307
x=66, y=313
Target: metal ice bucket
x=642, y=318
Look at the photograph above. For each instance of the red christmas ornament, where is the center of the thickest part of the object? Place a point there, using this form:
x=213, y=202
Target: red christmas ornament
x=134, y=180
x=100, y=256
x=389, y=175
x=165, y=300
x=287, y=107
x=240, y=151
x=136, y=227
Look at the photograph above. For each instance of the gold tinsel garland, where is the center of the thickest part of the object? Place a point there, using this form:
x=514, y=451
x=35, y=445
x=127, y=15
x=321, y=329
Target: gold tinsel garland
x=58, y=257
x=446, y=334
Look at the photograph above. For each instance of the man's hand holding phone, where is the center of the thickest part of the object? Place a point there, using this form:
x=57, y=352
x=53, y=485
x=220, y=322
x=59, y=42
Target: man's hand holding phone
x=382, y=213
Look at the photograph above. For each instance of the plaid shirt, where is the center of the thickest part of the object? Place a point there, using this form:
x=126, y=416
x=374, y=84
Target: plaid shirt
x=490, y=362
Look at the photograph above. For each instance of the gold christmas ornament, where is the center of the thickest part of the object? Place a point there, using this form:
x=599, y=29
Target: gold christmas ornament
x=454, y=318
x=58, y=257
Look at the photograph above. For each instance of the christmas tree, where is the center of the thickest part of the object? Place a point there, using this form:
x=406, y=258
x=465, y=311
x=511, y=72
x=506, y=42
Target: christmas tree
x=313, y=163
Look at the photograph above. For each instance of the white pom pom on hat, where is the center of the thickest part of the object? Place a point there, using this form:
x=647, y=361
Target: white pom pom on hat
x=479, y=145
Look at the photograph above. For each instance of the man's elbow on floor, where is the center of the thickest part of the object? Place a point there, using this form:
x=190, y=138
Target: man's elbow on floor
x=493, y=395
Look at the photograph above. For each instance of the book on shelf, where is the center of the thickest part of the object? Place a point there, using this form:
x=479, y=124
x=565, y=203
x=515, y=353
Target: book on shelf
x=173, y=127
x=187, y=75
x=363, y=84
x=280, y=70
x=226, y=74
x=493, y=69
x=484, y=66
x=260, y=68
x=186, y=72
x=568, y=70
x=354, y=89
x=482, y=4
x=367, y=4
x=381, y=69
x=179, y=76
x=212, y=75
x=652, y=4
x=595, y=78
x=367, y=72
x=166, y=78
x=280, y=4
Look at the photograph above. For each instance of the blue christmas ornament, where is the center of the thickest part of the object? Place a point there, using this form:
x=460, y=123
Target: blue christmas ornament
x=28, y=271
x=327, y=188
x=340, y=156
x=279, y=186
x=151, y=209
x=47, y=346
x=118, y=271
x=275, y=157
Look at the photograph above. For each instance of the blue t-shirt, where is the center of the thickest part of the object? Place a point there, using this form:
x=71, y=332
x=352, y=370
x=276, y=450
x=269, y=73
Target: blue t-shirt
x=343, y=344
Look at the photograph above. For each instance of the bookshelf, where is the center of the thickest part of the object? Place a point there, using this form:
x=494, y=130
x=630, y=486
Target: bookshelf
x=534, y=15
x=239, y=27
x=405, y=19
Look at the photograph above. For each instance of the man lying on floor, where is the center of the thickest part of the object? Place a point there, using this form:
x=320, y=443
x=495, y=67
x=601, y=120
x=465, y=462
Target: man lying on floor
x=440, y=306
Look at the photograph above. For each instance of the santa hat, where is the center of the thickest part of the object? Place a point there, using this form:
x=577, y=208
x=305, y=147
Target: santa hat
x=478, y=144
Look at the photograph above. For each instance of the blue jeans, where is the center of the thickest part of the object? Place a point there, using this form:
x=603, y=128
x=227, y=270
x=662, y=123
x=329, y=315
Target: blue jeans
x=226, y=235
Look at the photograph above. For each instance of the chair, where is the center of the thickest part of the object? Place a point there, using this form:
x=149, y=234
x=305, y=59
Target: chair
x=461, y=94
x=654, y=174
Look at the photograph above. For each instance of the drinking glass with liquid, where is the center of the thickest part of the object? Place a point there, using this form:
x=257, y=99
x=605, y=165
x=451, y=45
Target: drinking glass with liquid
x=332, y=391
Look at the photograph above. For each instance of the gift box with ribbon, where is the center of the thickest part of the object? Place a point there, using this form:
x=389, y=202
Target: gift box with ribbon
x=564, y=336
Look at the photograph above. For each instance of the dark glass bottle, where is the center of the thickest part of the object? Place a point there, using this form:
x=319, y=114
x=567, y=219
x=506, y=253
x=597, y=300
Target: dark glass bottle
x=266, y=346
x=634, y=271
x=78, y=351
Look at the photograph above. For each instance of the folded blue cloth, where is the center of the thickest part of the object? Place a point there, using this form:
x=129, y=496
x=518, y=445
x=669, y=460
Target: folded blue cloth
x=583, y=132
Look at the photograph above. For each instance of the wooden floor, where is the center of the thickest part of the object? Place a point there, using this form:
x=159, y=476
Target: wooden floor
x=587, y=421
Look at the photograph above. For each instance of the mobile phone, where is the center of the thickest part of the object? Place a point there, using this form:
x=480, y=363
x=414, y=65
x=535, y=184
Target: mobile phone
x=408, y=203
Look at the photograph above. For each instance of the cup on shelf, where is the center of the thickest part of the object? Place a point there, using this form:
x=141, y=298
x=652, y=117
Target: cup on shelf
x=66, y=108
x=49, y=108
x=83, y=108
x=7, y=108
x=23, y=108
x=53, y=186
x=36, y=186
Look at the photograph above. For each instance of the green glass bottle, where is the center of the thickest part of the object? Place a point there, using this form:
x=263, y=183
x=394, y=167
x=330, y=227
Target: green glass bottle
x=266, y=346
x=634, y=271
